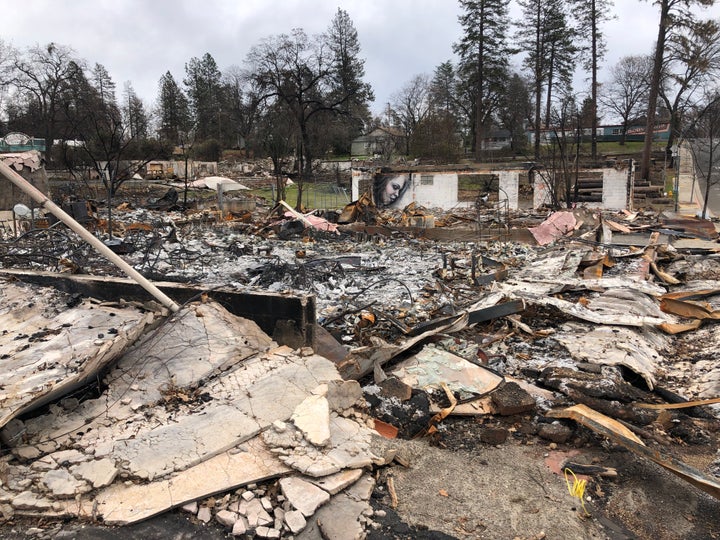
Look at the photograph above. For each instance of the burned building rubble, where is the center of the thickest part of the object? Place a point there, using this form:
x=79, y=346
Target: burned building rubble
x=374, y=378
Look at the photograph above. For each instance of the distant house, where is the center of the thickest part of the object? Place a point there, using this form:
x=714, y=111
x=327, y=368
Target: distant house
x=497, y=139
x=381, y=140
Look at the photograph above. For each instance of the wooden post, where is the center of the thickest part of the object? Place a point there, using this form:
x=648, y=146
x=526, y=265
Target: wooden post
x=105, y=251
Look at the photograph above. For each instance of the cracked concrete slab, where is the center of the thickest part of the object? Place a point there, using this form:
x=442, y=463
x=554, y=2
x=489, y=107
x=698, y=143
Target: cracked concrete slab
x=50, y=349
x=151, y=441
x=124, y=503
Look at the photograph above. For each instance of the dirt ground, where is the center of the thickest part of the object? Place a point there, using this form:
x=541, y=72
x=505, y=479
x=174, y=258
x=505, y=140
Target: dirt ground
x=458, y=487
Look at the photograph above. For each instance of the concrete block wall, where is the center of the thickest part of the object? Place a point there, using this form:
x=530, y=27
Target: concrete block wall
x=615, y=189
x=442, y=193
x=509, y=182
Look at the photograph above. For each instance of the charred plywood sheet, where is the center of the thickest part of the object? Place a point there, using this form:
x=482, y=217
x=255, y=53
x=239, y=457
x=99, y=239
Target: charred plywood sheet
x=48, y=349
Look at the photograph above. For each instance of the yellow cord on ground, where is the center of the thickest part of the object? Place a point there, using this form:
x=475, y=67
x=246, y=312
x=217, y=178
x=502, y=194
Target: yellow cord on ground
x=577, y=489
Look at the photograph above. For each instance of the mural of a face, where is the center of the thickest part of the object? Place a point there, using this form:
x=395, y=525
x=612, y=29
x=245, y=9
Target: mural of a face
x=390, y=188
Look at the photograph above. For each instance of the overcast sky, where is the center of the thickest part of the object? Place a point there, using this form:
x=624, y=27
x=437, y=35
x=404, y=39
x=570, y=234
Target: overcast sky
x=139, y=40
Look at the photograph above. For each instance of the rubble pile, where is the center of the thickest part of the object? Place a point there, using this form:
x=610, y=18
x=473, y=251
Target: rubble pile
x=581, y=347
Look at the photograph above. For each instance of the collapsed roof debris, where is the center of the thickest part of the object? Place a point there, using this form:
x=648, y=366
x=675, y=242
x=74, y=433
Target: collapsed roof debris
x=558, y=336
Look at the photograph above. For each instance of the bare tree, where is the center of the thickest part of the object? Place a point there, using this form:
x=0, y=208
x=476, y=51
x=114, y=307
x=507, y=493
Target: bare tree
x=692, y=61
x=673, y=14
x=40, y=76
x=560, y=159
x=626, y=92
x=301, y=73
x=411, y=105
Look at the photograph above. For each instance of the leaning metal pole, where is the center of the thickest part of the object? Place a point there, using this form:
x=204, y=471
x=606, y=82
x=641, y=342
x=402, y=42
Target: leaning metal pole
x=105, y=251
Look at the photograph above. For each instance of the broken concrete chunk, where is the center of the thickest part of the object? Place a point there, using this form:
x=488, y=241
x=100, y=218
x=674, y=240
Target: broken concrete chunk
x=190, y=508
x=510, y=399
x=295, y=521
x=240, y=527
x=27, y=500
x=99, y=473
x=303, y=495
x=26, y=452
x=226, y=518
x=362, y=489
x=267, y=532
x=204, y=514
x=312, y=417
x=68, y=457
x=343, y=395
x=256, y=514
x=61, y=483
x=343, y=517
x=335, y=483
x=45, y=463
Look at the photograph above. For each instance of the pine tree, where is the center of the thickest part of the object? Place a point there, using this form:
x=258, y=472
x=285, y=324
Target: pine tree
x=590, y=14
x=173, y=109
x=204, y=90
x=484, y=53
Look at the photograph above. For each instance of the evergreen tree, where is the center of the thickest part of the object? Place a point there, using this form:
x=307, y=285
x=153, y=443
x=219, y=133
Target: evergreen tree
x=547, y=38
x=173, y=110
x=103, y=83
x=483, y=53
x=135, y=115
x=590, y=14
x=204, y=90
x=516, y=111
x=347, y=87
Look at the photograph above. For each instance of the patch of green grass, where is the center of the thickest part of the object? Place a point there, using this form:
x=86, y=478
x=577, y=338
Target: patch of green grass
x=324, y=196
x=630, y=147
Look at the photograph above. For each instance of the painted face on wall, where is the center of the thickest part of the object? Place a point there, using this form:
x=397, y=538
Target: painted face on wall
x=391, y=189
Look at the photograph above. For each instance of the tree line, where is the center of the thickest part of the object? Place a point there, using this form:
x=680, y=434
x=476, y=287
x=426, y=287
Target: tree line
x=305, y=95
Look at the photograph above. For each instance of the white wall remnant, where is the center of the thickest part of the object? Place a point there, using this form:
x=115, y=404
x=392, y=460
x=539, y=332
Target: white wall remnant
x=509, y=182
x=440, y=189
x=428, y=188
x=541, y=191
x=615, y=191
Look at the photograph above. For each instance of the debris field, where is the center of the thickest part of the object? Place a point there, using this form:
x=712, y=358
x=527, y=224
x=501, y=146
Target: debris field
x=546, y=375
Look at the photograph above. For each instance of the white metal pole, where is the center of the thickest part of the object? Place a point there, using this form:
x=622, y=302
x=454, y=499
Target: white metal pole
x=105, y=251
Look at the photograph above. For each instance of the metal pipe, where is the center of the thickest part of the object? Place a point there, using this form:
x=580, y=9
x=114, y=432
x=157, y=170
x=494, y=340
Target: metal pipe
x=105, y=251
